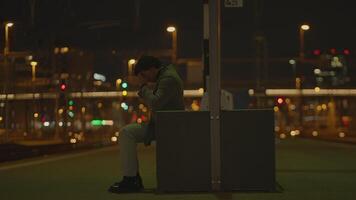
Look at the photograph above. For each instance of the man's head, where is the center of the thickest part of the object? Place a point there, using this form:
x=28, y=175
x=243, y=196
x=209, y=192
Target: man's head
x=147, y=67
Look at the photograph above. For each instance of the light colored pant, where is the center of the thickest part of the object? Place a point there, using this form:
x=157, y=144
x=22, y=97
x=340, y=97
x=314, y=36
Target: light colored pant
x=130, y=135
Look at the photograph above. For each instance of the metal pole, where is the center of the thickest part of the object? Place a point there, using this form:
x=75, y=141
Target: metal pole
x=6, y=49
x=205, y=44
x=33, y=73
x=214, y=92
x=301, y=50
x=174, y=46
x=6, y=85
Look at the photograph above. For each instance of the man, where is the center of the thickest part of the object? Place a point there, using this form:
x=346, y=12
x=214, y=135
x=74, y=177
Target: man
x=166, y=95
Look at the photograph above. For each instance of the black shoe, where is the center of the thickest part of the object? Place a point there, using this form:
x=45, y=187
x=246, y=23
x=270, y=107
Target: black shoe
x=128, y=184
x=138, y=179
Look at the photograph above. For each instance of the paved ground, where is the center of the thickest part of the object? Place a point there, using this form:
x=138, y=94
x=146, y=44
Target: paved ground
x=307, y=169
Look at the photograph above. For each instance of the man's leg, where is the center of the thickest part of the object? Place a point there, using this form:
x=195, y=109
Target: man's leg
x=129, y=136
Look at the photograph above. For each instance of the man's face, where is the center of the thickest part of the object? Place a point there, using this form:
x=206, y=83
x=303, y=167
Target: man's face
x=149, y=75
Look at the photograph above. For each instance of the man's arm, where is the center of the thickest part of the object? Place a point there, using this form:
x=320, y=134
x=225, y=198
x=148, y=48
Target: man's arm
x=166, y=87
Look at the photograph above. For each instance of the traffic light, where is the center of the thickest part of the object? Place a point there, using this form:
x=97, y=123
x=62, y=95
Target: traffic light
x=63, y=85
x=346, y=52
x=316, y=52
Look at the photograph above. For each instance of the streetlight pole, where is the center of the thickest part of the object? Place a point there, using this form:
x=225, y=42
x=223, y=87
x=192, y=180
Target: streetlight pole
x=7, y=43
x=6, y=82
x=130, y=65
x=33, y=70
x=33, y=65
x=302, y=29
x=173, y=30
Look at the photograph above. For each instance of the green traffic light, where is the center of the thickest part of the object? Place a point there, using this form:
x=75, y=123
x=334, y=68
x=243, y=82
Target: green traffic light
x=71, y=102
x=124, y=85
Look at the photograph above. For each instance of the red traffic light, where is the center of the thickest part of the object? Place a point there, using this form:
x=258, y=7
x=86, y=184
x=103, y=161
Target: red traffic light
x=63, y=86
x=346, y=52
x=317, y=52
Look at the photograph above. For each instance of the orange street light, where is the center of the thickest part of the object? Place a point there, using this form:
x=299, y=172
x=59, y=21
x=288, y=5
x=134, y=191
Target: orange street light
x=173, y=30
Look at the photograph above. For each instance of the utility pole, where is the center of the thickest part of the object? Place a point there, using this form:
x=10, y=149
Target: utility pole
x=215, y=91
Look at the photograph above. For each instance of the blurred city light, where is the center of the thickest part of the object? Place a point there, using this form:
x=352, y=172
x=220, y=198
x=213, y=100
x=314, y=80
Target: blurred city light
x=275, y=108
x=124, y=85
x=292, y=62
x=317, y=52
x=171, y=29
x=107, y=122
x=346, y=52
x=71, y=114
x=280, y=100
x=99, y=77
x=317, y=89
x=63, y=86
x=64, y=50
x=9, y=24
x=305, y=27
x=124, y=93
x=118, y=82
x=96, y=122
x=33, y=63
x=139, y=120
x=317, y=71
x=315, y=133
x=113, y=139
x=131, y=62
x=46, y=124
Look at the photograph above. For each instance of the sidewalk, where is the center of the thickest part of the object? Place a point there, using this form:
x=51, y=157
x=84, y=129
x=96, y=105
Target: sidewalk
x=306, y=169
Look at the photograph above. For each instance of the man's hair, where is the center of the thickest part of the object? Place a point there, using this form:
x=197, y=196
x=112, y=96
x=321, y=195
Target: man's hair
x=145, y=63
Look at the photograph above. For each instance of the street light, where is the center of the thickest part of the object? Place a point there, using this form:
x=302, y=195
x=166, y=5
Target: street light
x=7, y=44
x=33, y=65
x=6, y=80
x=302, y=29
x=173, y=30
x=130, y=65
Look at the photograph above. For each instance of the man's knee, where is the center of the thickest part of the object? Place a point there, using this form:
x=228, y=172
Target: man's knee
x=126, y=133
x=133, y=132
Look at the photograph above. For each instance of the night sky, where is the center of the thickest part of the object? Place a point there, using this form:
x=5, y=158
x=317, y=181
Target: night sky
x=118, y=24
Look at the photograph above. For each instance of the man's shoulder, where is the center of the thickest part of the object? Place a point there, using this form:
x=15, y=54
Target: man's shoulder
x=170, y=71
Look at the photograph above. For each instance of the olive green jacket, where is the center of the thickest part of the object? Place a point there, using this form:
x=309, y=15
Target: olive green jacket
x=167, y=95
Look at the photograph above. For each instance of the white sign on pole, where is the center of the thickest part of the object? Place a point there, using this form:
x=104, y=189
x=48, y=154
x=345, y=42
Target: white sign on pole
x=233, y=3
